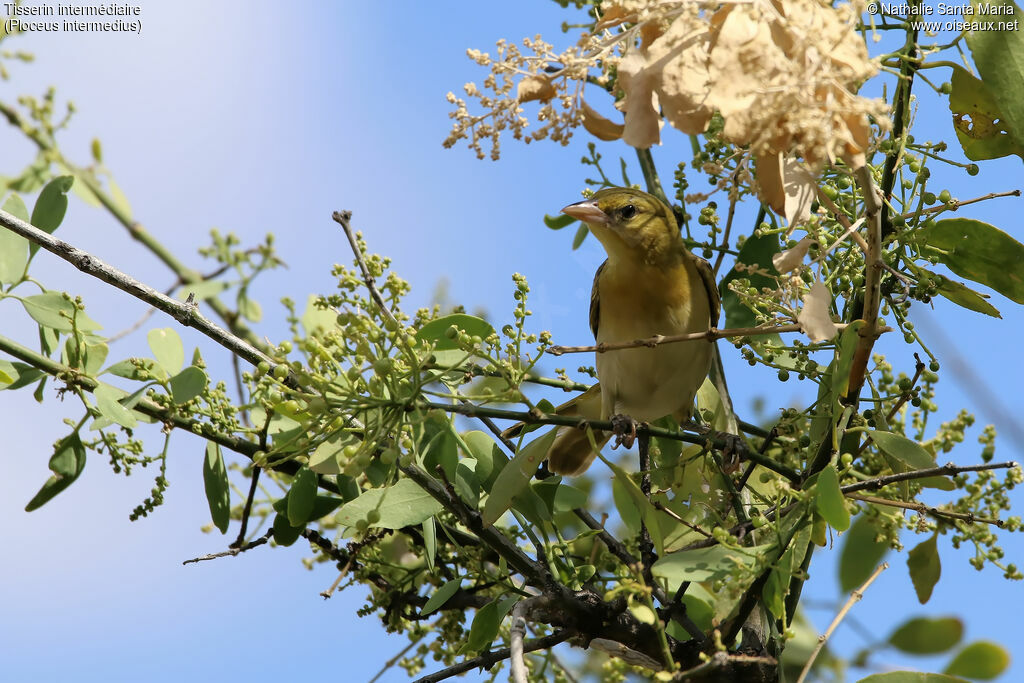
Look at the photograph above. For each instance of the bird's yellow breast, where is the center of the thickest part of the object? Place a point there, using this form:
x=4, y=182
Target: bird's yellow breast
x=639, y=301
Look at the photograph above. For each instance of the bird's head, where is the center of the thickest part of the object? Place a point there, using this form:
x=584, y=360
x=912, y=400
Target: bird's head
x=629, y=223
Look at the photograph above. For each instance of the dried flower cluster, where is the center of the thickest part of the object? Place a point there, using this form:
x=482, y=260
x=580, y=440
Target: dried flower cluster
x=784, y=77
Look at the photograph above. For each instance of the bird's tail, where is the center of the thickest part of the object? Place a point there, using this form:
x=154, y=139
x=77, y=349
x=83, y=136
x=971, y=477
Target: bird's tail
x=571, y=452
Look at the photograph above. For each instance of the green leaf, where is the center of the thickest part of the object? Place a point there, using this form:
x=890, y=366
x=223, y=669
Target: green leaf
x=981, y=659
x=129, y=368
x=489, y=458
x=926, y=636
x=581, y=234
x=316, y=320
x=515, y=476
x=860, y=554
x=925, y=568
x=429, y=542
x=66, y=463
x=442, y=451
x=120, y=200
x=964, y=296
x=486, y=623
x=51, y=205
x=639, y=501
x=21, y=375
x=13, y=248
x=903, y=449
x=441, y=596
x=558, y=222
x=107, y=402
x=301, y=497
x=284, y=533
x=845, y=350
x=188, y=384
x=249, y=309
x=436, y=330
x=910, y=677
x=756, y=251
x=704, y=564
x=830, y=500
x=167, y=349
x=326, y=459
x=978, y=251
x=218, y=491
x=980, y=125
x=51, y=309
x=400, y=505
x=999, y=56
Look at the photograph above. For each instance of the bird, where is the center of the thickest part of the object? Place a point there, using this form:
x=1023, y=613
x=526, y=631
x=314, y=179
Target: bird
x=650, y=284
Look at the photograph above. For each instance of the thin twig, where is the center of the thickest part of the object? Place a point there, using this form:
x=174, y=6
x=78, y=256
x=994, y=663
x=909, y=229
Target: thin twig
x=956, y=203
x=672, y=513
x=248, y=507
x=233, y=551
x=394, y=660
x=944, y=470
x=744, y=452
x=854, y=598
x=710, y=335
x=343, y=219
x=929, y=510
x=489, y=659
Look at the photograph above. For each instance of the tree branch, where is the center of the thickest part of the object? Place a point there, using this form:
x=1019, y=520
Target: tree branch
x=855, y=596
x=944, y=470
x=187, y=315
x=710, y=335
x=489, y=659
x=473, y=410
x=928, y=510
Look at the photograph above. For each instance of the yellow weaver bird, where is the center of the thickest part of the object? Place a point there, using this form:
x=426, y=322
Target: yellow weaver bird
x=650, y=284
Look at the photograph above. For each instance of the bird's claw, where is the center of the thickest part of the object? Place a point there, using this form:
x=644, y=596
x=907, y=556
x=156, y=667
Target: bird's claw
x=624, y=428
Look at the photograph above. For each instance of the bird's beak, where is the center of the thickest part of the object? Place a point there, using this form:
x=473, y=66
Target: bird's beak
x=587, y=211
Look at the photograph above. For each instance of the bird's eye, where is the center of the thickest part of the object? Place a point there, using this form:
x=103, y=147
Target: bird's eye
x=627, y=212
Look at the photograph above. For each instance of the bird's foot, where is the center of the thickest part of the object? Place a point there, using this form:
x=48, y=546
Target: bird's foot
x=624, y=428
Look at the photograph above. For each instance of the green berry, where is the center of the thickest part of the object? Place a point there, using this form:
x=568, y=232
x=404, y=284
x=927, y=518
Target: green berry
x=280, y=371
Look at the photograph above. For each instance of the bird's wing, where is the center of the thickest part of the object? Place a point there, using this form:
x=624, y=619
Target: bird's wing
x=595, y=301
x=707, y=276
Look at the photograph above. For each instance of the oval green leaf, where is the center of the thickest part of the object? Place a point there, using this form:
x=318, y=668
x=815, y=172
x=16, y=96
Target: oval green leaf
x=400, y=505
x=441, y=596
x=515, y=477
x=66, y=463
x=188, y=384
x=925, y=568
x=860, y=554
x=830, y=500
x=167, y=349
x=436, y=330
x=927, y=636
x=218, y=491
x=903, y=449
x=302, y=497
x=981, y=660
x=13, y=247
x=979, y=252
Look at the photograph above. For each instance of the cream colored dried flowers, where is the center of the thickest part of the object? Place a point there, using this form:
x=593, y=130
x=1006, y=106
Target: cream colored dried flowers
x=783, y=75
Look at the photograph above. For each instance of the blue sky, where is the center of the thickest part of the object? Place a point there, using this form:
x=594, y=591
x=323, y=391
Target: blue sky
x=265, y=117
